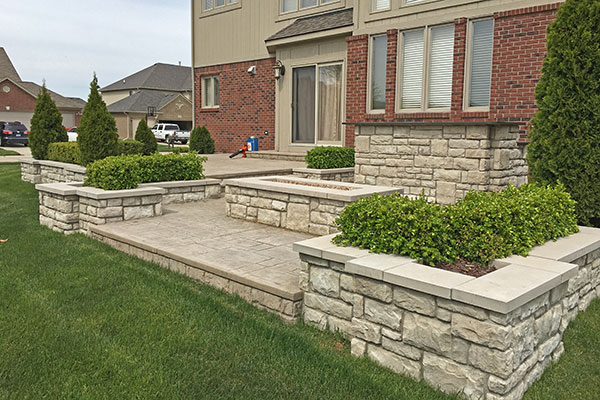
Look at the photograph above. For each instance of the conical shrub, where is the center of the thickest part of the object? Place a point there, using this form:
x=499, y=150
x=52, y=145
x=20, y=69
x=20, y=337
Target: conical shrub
x=46, y=125
x=144, y=135
x=201, y=141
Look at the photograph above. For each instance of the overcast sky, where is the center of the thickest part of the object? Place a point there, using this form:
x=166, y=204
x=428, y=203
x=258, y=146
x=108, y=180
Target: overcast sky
x=65, y=41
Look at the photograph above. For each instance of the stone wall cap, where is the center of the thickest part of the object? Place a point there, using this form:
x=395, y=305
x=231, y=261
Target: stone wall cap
x=330, y=171
x=101, y=194
x=28, y=160
x=517, y=281
x=267, y=184
x=62, y=189
x=178, y=184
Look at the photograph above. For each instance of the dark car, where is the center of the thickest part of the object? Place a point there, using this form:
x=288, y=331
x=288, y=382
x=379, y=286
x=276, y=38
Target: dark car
x=14, y=132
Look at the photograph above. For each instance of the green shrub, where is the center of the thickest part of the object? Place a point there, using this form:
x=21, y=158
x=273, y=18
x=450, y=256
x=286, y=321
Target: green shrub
x=565, y=132
x=46, y=126
x=330, y=157
x=67, y=152
x=144, y=135
x=181, y=150
x=201, y=141
x=97, y=132
x=130, y=147
x=110, y=173
x=479, y=228
x=114, y=173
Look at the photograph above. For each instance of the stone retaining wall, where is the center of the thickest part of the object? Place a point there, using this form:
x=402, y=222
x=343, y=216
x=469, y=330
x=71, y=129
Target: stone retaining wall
x=333, y=174
x=70, y=207
x=309, y=209
x=443, y=161
x=36, y=171
x=488, y=338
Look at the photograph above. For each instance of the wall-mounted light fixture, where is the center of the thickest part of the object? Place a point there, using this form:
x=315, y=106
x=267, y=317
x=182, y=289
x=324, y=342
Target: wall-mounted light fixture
x=279, y=69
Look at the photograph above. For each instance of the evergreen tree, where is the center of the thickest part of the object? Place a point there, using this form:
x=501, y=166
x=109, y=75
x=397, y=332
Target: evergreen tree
x=97, y=132
x=565, y=133
x=201, y=141
x=144, y=134
x=46, y=125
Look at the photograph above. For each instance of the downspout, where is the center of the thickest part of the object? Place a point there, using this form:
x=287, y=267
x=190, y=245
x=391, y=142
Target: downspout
x=128, y=124
x=193, y=10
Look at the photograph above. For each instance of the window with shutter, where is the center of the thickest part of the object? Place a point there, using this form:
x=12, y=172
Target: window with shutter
x=378, y=67
x=381, y=5
x=412, y=69
x=441, y=54
x=482, y=43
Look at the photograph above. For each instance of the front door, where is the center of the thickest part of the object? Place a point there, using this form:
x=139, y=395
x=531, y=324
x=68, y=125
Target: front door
x=317, y=105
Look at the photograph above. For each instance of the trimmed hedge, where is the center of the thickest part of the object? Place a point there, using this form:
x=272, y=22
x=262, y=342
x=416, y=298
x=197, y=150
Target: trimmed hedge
x=479, y=228
x=67, y=152
x=128, y=171
x=330, y=157
x=130, y=147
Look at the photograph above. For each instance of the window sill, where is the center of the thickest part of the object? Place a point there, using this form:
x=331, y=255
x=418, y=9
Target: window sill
x=422, y=115
x=209, y=109
x=220, y=10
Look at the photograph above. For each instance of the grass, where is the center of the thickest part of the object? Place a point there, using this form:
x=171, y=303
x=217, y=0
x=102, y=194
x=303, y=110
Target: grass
x=4, y=152
x=163, y=148
x=81, y=320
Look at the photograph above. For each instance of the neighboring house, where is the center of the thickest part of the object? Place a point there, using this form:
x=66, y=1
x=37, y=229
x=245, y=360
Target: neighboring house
x=18, y=98
x=435, y=95
x=162, y=88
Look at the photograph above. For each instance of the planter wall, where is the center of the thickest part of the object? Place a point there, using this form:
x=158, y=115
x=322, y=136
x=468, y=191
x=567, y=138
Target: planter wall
x=70, y=207
x=488, y=337
x=36, y=171
x=333, y=174
x=294, y=206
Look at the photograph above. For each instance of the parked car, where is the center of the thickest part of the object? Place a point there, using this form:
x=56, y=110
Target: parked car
x=72, y=133
x=163, y=131
x=14, y=132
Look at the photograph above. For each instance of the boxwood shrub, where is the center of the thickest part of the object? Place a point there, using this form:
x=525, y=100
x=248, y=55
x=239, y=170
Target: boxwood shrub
x=330, y=157
x=67, y=152
x=130, y=147
x=479, y=228
x=127, y=171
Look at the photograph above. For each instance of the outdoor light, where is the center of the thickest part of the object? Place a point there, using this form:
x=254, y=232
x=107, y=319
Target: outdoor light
x=279, y=70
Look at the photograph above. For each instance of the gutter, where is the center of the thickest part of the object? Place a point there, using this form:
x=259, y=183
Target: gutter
x=193, y=67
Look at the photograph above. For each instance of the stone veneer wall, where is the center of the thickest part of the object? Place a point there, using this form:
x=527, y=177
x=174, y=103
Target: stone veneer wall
x=452, y=345
x=287, y=308
x=444, y=161
x=35, y=171
x=290, y=211
x=334, y=174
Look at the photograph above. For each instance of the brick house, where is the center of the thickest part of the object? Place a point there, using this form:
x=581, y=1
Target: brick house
x=18, y=97
x=435, y=95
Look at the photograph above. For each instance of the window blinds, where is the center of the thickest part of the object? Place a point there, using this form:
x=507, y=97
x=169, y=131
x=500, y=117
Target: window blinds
x=412, y=69
x=381, y=4
x=441, y=55
x=481, y=63
x=378, y=67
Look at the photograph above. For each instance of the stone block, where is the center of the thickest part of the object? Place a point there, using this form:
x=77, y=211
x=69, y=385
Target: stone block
x=401, y=348
x=325, y=281
x=193, y=197
x=269, y=217
x=138, y=212
x=398, y=364
x=315, y=317
x=330, y=306
x=383, y=313
x=374, y=289
x=358, y=347
x=414, y=301
x=109, y=212
x=238, y=211
x=445, y=192
x=428, y=333
x=485, y=333
x=342, y=326
x=462, y=308
x=366, y=330
x=499, y=363
x=452, y=377
x=298, y=217
x=356, y=300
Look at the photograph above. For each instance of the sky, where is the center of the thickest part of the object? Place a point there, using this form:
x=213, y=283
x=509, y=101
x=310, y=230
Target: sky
x=66, y=41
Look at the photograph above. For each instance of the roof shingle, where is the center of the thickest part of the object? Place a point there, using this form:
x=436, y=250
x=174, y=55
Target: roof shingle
x=316, y=23
x=159, y=76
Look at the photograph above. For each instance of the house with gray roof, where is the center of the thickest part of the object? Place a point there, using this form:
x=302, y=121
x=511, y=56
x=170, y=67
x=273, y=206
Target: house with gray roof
x=18, y=97
x=159, y=93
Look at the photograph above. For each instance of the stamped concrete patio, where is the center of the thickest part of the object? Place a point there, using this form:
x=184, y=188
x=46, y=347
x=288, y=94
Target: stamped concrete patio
x=197, y=239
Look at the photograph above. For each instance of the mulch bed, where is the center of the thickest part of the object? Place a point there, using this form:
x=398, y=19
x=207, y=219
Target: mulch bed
x=467, y=268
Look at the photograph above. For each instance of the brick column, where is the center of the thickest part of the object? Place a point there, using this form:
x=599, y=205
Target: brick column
x=390, y=74
x=356, y=82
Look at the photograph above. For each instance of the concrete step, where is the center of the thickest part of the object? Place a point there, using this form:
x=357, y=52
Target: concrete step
x=277, y=155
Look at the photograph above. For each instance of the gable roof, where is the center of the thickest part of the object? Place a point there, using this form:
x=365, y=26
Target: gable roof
x=7, y=69
x=166, y=77
x=140, y=101
x=316, y=23
x=61, y=102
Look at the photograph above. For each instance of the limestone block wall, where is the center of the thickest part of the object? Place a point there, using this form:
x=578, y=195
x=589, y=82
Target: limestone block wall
x=483, y=348
x=42, y=171
x=444, y=161
x=334, y=174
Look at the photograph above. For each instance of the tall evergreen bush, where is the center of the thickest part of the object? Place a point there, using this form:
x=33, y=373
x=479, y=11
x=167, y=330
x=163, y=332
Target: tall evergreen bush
x=46, y=126
x=144, y=134
x=565, y=133
x=97, y=132
x=201, y=141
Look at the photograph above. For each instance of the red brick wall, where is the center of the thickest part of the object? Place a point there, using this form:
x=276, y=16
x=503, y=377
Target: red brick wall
x=17, y=99
x=519, y=50
x=246, y=105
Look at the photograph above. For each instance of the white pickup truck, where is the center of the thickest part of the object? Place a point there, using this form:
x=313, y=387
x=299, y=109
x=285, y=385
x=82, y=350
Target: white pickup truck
x=163, y=131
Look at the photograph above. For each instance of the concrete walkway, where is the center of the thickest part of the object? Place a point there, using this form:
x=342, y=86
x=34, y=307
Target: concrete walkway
x=197, y=239
x=25, y=152
x=220, y=166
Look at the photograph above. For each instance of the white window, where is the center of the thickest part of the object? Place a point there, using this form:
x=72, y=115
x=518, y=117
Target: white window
x=295, y=5
x=210, y=92
x=381, y=5
x=411, y=1
x=378, y=69
x=480, y=63
x=427, y=62
x=208, y=5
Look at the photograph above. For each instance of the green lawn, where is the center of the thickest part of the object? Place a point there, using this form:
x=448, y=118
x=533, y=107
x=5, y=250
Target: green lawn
x=81, y=320
x=163, y=148
x=4, y=152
